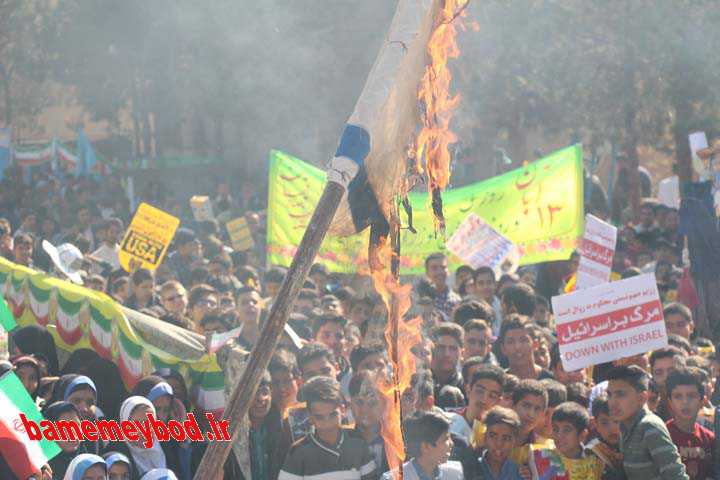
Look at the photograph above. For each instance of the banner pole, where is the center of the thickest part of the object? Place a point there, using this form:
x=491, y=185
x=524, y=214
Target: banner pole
x=213, y=461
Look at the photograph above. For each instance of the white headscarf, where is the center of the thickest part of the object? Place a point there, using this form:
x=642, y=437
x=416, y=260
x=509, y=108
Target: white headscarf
x=80, y=464
x=145, y=458
x=159, y=474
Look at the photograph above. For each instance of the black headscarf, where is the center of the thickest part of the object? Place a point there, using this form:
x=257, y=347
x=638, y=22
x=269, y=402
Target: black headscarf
x=61, y=461
x=28, y=360
x=111, y=390
x=36, y=339
x=79, y=362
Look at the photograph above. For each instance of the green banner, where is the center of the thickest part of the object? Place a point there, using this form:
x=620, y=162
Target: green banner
x=538, y=206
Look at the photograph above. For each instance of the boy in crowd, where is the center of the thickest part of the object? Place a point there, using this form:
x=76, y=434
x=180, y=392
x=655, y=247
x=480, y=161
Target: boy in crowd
x=369, y=357
x=557, y=394
x=484, y=390
x=511, y=383
x=570, y=423
x=517, y=341
x=448, y=340
x=530, y=400
x=314, y=360
x=329, y=450
x=329, y=329
x=366, y=405
x=520, y=299
x=559, y=372
x=607, y=444
x=478, y=341
x=695, y=443
x=427, y=435
x=647, y=448
x=419, y=397
x=503, y=429
x=678, y=320
x=283, y=371
x=662, y=362
x=267, y=447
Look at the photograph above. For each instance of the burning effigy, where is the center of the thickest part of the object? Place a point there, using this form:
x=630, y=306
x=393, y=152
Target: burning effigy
x=399, y=133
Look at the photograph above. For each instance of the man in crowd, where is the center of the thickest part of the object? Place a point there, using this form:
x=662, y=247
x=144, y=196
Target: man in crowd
x=436, y=271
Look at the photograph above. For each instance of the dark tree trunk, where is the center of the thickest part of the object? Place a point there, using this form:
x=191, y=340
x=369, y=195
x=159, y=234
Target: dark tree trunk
x=683, y=119
x=631, y=140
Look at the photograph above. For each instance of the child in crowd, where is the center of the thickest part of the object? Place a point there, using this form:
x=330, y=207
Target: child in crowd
x=557, y=394
x=315, y=359
x=569, y=460
x=428, y=444
x=647, y=448
x=607, y=443
x=530, y=401
x=503, y=429
x=328, y=450
x=695, y=443
x=483, y=390
x=367, y=410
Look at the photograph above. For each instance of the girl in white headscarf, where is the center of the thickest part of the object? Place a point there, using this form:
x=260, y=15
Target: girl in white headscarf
x=159, y=474
x=143, y=459
x=86, y=466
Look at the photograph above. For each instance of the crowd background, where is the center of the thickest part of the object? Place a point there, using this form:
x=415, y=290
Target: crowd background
x=488, y=367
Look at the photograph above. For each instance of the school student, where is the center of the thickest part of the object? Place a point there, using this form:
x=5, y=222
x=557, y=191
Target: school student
x=647, y=448
x=686, y=394
x=502, y=430
x=607, y=443
x=484, y=391
x=328, y=450
x=530, y=400
x=569, y=459
x=428, y=444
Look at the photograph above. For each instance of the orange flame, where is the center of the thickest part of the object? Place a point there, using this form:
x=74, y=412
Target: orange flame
x=434, y=94
x=398, y=301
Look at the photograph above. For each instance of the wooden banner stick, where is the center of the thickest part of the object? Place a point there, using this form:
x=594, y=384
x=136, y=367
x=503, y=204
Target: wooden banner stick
x=213, y=462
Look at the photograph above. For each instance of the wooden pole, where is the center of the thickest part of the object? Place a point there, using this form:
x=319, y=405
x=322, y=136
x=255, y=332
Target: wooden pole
x=395, y=319
x=213, y=462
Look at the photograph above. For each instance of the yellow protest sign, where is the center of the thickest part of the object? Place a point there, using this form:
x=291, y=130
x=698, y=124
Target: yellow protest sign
x=147, y=238
x=240, y=235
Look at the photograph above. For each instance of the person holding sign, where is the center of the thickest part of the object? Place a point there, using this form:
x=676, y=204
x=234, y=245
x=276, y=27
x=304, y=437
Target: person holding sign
x=187, y=251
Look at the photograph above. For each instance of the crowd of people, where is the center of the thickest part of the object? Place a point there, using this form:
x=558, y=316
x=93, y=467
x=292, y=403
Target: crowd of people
x=490, y=398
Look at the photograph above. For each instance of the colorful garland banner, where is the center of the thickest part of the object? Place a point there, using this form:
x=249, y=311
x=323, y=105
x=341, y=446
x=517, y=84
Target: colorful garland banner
x=539, y=207
x=78, y=317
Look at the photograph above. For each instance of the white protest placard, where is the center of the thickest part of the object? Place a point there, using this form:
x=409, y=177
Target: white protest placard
x=596, y=253
x=215, y=341
x=613, y=320
x=478, y=244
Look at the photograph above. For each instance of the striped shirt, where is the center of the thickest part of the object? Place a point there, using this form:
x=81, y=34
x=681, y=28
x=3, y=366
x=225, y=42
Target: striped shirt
x=648, y=451
x=312, y=459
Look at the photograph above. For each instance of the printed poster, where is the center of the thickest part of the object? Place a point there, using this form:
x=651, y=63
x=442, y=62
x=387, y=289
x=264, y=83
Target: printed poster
x=147, y=239
x=610, y=321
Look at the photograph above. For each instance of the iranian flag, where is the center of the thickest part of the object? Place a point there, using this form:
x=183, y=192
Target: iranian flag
x=7, y=321
x=24, y=456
